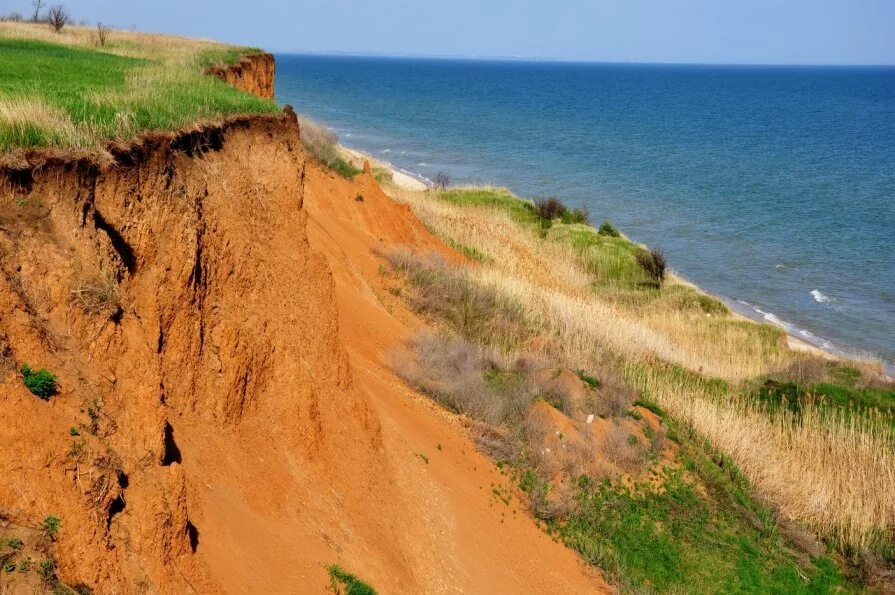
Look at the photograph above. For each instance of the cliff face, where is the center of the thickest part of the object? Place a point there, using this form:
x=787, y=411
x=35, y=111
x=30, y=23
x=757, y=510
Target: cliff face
x=252, y=74
x=174, y=294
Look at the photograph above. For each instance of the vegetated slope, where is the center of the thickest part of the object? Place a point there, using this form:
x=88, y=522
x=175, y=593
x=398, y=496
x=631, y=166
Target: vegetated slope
x=757, y=421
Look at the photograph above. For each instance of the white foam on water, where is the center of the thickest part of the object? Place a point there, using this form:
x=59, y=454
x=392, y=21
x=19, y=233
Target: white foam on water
x=821, y=298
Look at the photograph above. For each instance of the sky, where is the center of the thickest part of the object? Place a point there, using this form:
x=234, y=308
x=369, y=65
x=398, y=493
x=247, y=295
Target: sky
x=688, y=31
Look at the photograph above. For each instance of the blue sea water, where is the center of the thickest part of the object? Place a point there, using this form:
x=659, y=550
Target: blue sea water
x=773, y=187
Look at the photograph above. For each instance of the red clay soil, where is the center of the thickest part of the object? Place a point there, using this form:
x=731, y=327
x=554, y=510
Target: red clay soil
x=238, y=429
x=253, y=74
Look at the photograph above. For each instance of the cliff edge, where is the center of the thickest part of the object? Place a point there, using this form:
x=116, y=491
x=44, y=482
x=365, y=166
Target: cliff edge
x=253, y=74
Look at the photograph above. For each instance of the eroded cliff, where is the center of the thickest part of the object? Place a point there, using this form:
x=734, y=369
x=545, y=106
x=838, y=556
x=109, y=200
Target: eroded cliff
x=253, y=74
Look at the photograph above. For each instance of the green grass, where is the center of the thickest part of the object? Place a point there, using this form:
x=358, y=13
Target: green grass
x=699, y=530
x=74, y=97
x=843, y=396
x=343, y=168
x=345, y=583
x=518, y=209
x=473, y=253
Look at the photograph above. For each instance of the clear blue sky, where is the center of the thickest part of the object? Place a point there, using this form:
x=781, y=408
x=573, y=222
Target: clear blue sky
x=707, y=31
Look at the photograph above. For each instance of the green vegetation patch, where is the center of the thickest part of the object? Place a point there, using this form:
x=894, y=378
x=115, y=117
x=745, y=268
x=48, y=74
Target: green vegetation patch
x=345, y=583
x=55, y=95
x=849, y=399
x=673, y=536
x=501, y=198
x=41, y=383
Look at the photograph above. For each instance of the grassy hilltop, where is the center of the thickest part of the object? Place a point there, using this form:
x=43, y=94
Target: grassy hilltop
x=66, y=90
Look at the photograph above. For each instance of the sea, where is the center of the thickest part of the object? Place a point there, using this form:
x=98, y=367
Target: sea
x=772, y=187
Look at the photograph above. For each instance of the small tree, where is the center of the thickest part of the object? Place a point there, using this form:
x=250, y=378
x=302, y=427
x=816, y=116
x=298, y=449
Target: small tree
x=58, y=17
x=653, y=263
x=102, y=34
x=441, y=181
x=38, y=5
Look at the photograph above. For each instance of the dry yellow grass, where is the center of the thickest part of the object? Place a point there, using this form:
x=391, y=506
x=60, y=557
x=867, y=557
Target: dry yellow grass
x=169, y=49
x=832, y=472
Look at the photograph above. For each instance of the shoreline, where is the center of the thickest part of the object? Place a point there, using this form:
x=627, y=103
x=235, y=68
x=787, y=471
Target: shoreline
x=798, y=339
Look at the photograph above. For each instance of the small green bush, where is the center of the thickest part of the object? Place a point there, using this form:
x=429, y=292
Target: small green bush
x=40, y=382
x=606, y=229
x=14, y=543
x=590, y=381
x=345, y=583
x=52, y=524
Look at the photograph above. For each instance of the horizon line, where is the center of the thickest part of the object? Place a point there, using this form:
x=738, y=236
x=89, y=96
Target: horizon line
x=536, y=59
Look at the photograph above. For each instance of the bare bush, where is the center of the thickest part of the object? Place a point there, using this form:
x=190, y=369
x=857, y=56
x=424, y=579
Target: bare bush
x=614, y=399
x=97, y=295
x=653, y=263
x=441, y=181
x=13, y=17
x=102, y=34
x=452, y=372
x=622, y=447
x=58, y=17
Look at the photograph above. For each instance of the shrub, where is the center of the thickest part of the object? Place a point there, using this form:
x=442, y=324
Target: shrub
x=58, y=17
x=441, y=181
x=41, y=383
x=48, y=572
x=548, y=209
x=653, y=263
x=345, y=583
x=606, y=229
x=97, y=295
x=576, y=216
x=52, y=524
x=102, y=34
x=476, y=312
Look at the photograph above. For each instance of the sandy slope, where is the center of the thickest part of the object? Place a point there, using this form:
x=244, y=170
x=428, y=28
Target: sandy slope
x=464, y=538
